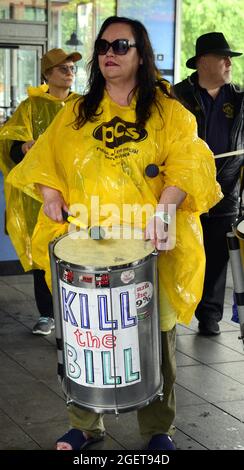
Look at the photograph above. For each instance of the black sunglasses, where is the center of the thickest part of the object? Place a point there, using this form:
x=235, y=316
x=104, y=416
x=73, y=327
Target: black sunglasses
x=119, y=46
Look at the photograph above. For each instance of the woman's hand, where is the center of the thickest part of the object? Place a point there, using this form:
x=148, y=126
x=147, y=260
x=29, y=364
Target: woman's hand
x=157, y=232
x=53, y=203
x=161, y=228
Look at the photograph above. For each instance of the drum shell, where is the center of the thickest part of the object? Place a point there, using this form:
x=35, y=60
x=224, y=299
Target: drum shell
x=240, y=235
x=129, y=397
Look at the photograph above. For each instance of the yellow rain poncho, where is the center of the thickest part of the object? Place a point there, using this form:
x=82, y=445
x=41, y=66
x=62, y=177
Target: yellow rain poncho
x=107, y=159
x=30, y=120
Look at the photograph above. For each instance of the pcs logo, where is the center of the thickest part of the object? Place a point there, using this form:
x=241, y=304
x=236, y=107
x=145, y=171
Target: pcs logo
x=118, y=132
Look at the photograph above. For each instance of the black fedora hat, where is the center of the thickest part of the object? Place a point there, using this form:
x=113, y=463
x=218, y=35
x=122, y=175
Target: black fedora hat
x=211, y=43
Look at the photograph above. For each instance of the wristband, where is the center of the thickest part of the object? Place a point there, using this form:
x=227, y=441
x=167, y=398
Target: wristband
x=164, y=216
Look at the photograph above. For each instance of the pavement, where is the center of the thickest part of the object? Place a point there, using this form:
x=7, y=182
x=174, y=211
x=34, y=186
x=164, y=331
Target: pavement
x=209, y=384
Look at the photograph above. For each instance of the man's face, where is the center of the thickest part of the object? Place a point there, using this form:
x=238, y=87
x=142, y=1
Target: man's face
x=216, y=68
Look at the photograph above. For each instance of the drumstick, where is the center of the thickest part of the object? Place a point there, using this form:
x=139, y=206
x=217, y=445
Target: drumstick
x=153, y=170
x=229, y=154
x=95, y=232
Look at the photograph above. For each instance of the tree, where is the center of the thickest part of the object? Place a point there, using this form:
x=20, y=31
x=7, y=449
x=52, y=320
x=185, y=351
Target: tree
x=226, y=16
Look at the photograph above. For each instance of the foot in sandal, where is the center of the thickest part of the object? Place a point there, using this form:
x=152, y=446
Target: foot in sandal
x=75, y=439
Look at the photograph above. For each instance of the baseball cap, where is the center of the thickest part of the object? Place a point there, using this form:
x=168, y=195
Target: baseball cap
x=56, y=57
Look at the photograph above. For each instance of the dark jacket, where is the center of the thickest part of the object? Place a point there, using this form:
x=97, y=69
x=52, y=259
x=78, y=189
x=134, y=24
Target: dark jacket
x=228, y=169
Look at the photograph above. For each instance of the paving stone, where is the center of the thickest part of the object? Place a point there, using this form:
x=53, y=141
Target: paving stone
x=211, y=427
x=184, y=442
x=12, y=437
x=10, y=295
x=184, y=360
x=206, y=350
x=233, y=408
x=209, y=384
x=185, y=397
x=235, y=370
x=231, y=340
x=16, y=280
x=33, y=404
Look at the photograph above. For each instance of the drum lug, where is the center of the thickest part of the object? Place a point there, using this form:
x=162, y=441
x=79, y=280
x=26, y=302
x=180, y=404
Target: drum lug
x=160, y=395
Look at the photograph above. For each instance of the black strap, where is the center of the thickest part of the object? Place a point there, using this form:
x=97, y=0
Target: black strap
x=241, y=190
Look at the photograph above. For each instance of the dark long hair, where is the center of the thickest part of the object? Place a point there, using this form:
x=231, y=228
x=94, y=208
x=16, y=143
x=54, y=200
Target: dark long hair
x=147, y=78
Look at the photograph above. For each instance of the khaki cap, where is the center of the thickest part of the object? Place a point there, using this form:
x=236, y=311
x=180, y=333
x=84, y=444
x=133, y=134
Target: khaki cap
x=56, y=57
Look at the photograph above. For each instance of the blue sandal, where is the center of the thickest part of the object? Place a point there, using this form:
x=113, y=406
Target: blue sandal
x=161, y=442
x=77, y=440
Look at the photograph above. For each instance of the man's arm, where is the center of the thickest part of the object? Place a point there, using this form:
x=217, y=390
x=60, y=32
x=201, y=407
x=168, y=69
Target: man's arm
x=19, y=149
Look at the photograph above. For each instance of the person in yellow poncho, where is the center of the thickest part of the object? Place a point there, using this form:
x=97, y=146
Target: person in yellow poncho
x=101, y=148
x=17, y=136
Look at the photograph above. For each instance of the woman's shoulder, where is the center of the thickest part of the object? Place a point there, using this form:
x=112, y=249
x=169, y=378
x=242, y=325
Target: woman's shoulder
x=168, y=101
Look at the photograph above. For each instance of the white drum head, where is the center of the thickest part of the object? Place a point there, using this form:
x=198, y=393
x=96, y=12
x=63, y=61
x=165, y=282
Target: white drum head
x=76, y=249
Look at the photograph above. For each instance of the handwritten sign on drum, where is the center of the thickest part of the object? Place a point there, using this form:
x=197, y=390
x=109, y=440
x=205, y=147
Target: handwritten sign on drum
x=100, y=332
x=107, y=322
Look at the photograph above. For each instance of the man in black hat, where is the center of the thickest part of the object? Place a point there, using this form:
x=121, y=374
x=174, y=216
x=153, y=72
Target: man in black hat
x=218, y=106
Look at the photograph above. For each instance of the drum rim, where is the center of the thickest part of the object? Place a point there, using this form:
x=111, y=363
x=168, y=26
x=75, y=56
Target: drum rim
x=91, y=268
x=235, y=229
x=105, y=269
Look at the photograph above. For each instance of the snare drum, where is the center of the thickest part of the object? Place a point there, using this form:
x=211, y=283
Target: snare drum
x=107, y=323
x=236, y=250
x=238, y=229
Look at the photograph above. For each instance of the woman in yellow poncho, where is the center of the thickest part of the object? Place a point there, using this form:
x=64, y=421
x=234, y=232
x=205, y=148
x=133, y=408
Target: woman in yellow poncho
x=101, y=149
x=17, y=136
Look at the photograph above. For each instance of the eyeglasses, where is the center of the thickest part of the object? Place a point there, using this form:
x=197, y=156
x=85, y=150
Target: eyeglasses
x=119, y=46
x=65, y=69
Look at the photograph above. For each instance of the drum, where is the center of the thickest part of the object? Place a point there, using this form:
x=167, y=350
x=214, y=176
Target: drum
x=236, y=250
x=107, y=324
x=238, y=229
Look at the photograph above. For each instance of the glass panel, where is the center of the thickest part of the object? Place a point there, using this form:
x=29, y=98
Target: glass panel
x=18, y=70
x=74, y=26
x=158, y=16
x=103, y=11
x=28, y=10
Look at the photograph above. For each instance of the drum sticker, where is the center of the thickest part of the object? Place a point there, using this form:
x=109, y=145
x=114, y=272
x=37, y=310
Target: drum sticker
x=102, y=280
x=127, y=276
x=88, y=278
x=100, y=335
x=144, y=293
x=144, y=315
x=68, y=276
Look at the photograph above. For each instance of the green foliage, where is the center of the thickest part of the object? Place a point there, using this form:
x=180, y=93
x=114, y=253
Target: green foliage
x=226, y=16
